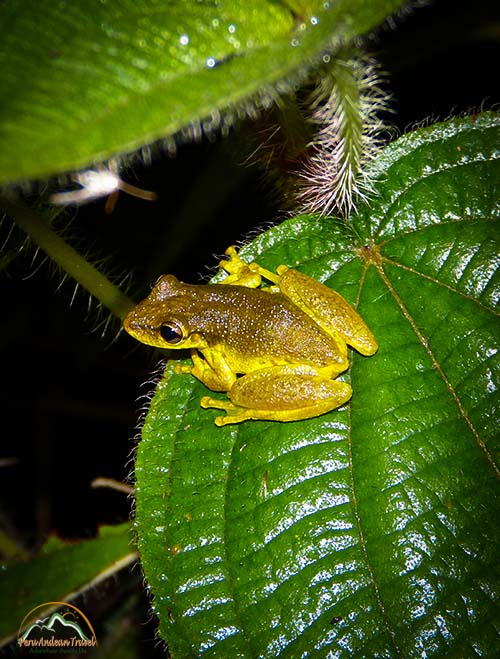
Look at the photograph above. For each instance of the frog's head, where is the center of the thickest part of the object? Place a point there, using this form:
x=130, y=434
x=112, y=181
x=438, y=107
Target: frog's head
x=164, y=318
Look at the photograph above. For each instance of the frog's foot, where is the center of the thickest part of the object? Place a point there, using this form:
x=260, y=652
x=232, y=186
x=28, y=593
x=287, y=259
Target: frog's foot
x=240, y=272
x=245, y=274
x=216, y=375
x=234, y=414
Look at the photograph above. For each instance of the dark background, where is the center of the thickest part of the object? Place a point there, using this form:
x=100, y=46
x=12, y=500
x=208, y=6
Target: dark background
x=70, y=394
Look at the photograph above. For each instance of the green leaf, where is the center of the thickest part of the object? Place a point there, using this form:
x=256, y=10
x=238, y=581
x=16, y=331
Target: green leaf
x=85, y=80
x=371, y=531
x=60, y=572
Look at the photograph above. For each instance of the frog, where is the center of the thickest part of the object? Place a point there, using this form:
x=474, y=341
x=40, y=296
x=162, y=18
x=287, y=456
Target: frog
x=273, y=342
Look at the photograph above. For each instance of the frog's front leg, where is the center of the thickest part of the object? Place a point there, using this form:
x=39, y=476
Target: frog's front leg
x=212, y=370
x=244, y=274
x=281, y=393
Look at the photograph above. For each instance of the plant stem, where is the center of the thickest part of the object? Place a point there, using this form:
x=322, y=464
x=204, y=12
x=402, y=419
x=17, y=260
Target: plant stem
x=67, y=258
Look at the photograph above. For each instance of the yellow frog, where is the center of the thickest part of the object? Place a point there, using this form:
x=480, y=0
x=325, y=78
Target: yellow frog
x=276, y=351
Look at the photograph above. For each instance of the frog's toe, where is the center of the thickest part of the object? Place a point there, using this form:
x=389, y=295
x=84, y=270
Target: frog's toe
x=234, y=414
x=240, y=273
x=207, y=402
x=183, y=368
x=228, y=419
x=231, y=252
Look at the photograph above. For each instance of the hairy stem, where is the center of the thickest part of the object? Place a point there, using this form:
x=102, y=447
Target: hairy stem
x=67, y=258
x=345, y=109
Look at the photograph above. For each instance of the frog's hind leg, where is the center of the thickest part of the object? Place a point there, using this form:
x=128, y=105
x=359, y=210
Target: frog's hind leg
x=280, y=394
x=328, y=308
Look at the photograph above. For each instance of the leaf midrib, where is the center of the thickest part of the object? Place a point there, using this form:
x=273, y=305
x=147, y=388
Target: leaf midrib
x=356, y=512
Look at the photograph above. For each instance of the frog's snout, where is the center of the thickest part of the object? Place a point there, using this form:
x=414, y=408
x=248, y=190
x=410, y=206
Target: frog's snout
x=132, y=324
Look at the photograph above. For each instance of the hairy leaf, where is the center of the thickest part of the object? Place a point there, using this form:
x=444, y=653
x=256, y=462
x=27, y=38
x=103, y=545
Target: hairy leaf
x=86, y=80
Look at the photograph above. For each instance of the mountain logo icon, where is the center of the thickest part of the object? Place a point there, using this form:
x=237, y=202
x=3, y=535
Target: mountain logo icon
x=56, y=626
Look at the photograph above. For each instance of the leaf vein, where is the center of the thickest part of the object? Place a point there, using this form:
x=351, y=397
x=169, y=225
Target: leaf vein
x=395, y=202
x=438, y=282
x=437, y=366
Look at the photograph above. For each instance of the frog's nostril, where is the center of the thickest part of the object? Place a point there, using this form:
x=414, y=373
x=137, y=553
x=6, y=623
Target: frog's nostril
x=130, y=325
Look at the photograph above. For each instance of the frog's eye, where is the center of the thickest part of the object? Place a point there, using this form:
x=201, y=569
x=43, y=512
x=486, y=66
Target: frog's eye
x=171, y=333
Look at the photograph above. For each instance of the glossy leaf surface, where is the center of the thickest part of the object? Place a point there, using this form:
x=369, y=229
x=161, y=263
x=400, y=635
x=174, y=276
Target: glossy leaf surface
x=85, y=80
x=371, y=531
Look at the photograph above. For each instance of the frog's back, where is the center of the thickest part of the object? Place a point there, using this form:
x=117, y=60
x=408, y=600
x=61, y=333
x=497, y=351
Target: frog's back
x=256, y=329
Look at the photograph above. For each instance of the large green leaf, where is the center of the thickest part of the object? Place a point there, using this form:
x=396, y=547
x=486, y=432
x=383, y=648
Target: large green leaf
x=81, y=81
x=371, y=531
